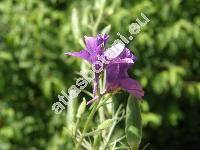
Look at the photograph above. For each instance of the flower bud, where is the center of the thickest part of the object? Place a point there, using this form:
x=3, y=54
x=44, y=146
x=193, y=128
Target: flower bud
x=81, y=108
x=105, y=124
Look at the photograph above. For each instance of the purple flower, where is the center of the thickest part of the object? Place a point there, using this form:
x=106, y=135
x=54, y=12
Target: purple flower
x=95, y=47
x=117, y=76
x=118, y=60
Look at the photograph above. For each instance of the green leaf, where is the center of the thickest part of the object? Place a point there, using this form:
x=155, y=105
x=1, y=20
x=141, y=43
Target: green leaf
x=133, y=122
x=6, y=56
x=76, y=26
x=47, y=88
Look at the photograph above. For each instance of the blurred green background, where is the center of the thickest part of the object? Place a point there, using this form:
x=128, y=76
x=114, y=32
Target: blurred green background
x=34, y=34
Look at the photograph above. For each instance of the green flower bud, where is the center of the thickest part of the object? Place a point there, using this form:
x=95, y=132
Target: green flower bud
x=105, y=124
x=81, y=108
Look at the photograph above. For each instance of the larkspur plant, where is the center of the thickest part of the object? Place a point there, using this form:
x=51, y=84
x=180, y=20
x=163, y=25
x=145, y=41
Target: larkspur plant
x=113, y=70
x=115, y=58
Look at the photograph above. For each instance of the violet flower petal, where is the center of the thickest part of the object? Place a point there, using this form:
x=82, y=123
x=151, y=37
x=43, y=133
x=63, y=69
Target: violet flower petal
x=112, y=73
x=132, y=86
x=82, y=54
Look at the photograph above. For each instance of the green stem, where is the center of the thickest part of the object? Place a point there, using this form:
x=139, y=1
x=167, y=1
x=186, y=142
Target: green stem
x=94, y=109
x=112, y=128
x=95, y=144
x=109, y=135
x=76, y=126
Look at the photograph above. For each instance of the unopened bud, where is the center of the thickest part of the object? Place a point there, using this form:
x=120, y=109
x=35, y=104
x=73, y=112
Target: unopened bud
x=105, y=124
x=81, y=108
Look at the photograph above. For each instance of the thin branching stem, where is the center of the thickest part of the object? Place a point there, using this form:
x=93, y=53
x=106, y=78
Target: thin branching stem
x=112, y=127
x=94, y=109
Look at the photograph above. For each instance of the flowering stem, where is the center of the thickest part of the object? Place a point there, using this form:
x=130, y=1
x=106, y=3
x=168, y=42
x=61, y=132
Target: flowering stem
x=94, y=109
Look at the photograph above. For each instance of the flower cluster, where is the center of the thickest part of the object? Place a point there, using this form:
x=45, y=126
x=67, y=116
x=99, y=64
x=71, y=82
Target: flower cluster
x=116, y=66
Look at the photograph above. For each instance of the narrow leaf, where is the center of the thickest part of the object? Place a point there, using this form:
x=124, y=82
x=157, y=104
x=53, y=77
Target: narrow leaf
x=75, y=24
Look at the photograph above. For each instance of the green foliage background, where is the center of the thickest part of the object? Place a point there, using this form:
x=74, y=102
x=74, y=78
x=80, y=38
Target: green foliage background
x=34, y=34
